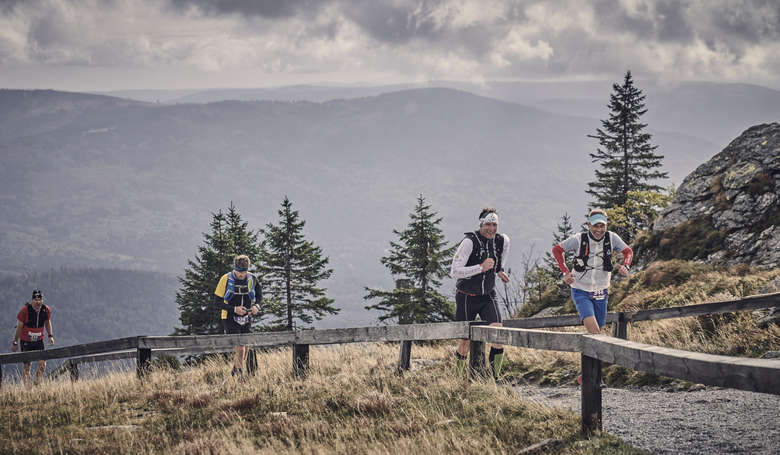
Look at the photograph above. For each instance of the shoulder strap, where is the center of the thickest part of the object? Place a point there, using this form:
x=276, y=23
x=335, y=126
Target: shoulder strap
x=30, y=309
x=476, y=244
x=584, y=245
x=608, y=251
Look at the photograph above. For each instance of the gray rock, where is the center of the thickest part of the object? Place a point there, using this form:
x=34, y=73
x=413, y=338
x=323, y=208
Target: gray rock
x=767, y=317
x=771, y=355
x=772, y=286
x=549, y=311
x=737, y=191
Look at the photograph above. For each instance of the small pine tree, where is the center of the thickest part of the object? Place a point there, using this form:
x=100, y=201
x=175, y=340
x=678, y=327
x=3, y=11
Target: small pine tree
x=418, y=261
x=627, y=160
x=229, y=237
x=291, y=267
x=563, y=231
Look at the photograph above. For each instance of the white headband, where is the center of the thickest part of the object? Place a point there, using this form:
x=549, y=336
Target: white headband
x=491, y=217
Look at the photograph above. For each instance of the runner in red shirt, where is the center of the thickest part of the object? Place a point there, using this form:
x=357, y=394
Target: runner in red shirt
x=31, y=320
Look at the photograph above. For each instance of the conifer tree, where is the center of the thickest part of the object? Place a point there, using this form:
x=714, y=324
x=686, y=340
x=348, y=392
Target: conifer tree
x=626, y=158
x=420, y=259
x=291, y=266
x=563, y=231
x=229, y=236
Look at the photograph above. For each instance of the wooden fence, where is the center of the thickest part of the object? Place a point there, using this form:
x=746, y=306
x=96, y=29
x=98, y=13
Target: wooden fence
x=758, y=375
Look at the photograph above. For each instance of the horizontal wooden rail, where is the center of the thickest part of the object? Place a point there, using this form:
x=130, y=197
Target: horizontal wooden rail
x=216, y=341
x=404, y=332
x=567, y=320
x=755, y=302
x=97, y=347
x=754, y=375
x=529, y=338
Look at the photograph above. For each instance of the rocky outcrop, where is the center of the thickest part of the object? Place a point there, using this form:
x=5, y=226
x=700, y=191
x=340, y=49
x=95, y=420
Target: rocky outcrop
x=735, y=199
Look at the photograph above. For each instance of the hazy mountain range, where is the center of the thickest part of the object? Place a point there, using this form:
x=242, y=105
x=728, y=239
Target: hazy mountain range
x=108, y=182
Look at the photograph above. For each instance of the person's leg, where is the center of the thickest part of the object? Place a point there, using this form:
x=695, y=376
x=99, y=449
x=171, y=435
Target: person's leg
x=493, y=316
x=26, y=374
x=461, y=354
x=41, y=370
x=591, y=325
x=586, y=310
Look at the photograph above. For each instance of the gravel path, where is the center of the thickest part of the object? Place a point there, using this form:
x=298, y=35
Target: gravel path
x=708, y=421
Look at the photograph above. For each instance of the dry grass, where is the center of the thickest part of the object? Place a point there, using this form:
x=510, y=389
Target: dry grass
x=352, y=402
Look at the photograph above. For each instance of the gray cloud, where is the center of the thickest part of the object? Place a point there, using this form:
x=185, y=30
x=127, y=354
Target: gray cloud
x=419, y=39
x=265, y=8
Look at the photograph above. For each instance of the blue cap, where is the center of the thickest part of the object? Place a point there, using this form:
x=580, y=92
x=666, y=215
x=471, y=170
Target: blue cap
x=240, y=269
x=597, y=218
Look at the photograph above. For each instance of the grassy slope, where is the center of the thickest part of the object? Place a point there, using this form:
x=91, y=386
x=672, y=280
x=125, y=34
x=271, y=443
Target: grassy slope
x=664, y=284
x=351, y=403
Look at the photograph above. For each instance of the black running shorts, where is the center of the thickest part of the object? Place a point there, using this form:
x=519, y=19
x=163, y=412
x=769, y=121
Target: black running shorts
x=468, y=306
x=232, y=327
x=32, y=345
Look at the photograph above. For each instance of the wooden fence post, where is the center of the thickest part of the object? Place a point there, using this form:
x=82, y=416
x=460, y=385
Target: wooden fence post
x=143, y=362
x=620, y=327
x=73, y=368
x=476, y=355
x=251, y=362
x=405, y=356
x=300, y=360
x=591, y=394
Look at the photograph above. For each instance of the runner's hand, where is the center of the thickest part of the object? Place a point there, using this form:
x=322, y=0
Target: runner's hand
x=568, y=278
x=623, y=270
x=504, y=277
x=239, y=310
x=14, y=348
x=255, y=310
x=488, y=264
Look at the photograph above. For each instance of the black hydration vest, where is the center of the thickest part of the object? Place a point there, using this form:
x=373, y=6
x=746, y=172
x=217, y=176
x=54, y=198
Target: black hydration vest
x=581, y=261
x=36, y=319
x=482, y=248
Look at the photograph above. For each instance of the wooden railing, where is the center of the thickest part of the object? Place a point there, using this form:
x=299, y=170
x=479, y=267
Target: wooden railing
x=756, y=375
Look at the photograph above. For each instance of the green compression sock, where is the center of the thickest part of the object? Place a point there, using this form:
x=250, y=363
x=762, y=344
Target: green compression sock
x=496, y=359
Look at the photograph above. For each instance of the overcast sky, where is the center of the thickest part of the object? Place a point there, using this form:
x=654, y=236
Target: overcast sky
x=186, y=44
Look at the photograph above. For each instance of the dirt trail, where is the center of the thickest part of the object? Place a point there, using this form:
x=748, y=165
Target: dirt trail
x=707, y=421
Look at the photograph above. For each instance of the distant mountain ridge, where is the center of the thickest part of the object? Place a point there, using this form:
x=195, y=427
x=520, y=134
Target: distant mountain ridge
x=98, y=181
x=709, y=111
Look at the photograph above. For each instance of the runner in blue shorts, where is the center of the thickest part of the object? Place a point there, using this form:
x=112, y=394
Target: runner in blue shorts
x=593, y=268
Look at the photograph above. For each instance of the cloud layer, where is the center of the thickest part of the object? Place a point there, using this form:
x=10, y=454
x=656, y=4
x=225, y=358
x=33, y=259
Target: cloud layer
x=401, y=40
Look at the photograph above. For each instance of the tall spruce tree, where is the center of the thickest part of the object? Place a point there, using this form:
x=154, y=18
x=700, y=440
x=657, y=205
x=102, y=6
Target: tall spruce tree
x=418, y=261
x=291, y=267
x=627, y=160
x=229, y=236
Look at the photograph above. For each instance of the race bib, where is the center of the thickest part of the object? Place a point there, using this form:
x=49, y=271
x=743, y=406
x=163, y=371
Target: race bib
x=34, y=336
x=598, y=295
x=241, y=320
